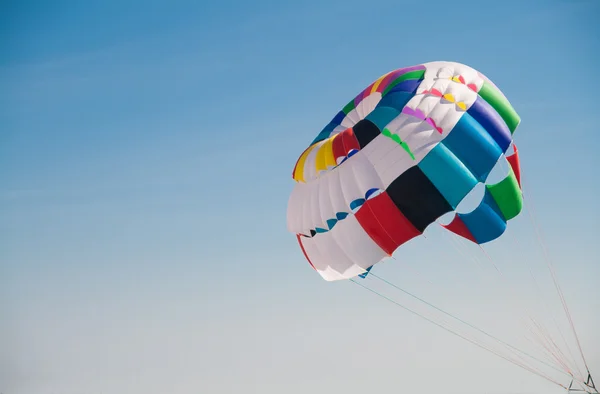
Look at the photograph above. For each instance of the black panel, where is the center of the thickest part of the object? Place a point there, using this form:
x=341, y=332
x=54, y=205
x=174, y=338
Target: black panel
x=417, y=198
x=365, y=131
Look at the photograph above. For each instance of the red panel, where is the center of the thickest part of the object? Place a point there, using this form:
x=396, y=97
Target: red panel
x=386, y=81
x=363, y=94
x=457, y=226
x=349, y=140
x=304, y=251
x=513, y=160
x=385, y=224
x=338, y=147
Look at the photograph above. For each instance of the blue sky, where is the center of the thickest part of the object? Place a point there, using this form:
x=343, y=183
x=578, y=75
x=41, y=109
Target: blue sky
x=146, y=151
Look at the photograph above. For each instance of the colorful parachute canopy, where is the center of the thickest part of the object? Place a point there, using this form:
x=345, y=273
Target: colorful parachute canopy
x=402, y=153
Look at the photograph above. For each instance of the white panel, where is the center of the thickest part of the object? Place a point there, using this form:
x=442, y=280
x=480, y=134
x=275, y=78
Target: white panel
x=330, y=275
x=294, y=209
x=420, y=137
x=350, y=187
x=332, y=253
x=310, y=165
x=337, y=130
x=314, y=212
x=336, y=195
x=460, y=92
x=314, y=254
x=368, y=104
x=344, y=252
x=446, y=70
x=359, y=246
x=364, y=173
x=312, y=203
x=351, y=119
x=325, y=203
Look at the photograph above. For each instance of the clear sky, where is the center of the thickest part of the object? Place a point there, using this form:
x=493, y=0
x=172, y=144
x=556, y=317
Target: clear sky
x=146, y=151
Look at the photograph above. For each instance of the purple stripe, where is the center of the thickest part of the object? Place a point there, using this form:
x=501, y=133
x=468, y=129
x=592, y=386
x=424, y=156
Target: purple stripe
x=395, y=74
x=362, y=95
x=386, y=81
x=417, y=113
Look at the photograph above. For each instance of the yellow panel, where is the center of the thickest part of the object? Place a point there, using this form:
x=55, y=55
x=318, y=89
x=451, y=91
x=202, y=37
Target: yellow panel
x=327, y=150
x=321, y=164
x=378, y=82
x=299, y=171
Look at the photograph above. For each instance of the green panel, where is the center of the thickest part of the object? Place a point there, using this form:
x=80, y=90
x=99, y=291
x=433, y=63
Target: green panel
x=507, y=195
x=494, y=98
x=349, y=107
x=404, y=77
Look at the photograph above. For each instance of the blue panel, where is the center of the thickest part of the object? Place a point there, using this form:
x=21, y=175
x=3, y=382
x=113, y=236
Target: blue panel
x=395, y=100
x=448, y=174
x=338, y=118
x=486, y=222
x=410, y=85
x=487, y=117
x=325, y=133
x=382, y=116
x=472, y=145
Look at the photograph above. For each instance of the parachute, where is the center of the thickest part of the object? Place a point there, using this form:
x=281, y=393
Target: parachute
x=405, y=152
x=401, y=154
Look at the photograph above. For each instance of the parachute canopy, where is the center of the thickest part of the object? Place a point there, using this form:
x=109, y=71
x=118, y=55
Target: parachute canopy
x=402, y=153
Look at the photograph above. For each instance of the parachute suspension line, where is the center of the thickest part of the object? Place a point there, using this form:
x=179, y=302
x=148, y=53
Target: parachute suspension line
x=413, y=269
x=552, y=357
x=466, y=323
x=557, y=286
x=531, y=215
x=585, y=387
x=530, y=369
x=545, y=343
x=558, y=354
x=490, y=259
x=540, y=332
x=570, y=361
x=457, y=246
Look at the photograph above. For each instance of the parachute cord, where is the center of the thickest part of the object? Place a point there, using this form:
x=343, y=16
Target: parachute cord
x=547, y=355
x=532, y=370
x=554, y=278
x=457, y=245
x=542, y=331
x=566, y=361
x=490, y=258
x=468, y=324
x=545, y=343
x=571, y=360
x=413, y=269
